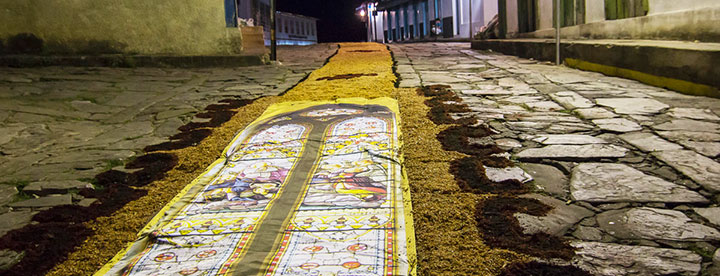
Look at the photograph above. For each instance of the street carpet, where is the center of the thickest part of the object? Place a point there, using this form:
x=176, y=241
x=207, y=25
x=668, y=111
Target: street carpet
x=308, y=188
x=342, y=192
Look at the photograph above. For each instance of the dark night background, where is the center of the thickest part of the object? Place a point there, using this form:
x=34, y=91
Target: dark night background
x=337, y=22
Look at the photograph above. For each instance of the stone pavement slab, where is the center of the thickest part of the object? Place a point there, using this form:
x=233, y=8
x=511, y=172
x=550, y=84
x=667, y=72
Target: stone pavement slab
x=648, y=142
x=556, y=222
x=655, y=224
x=614, y=259
x=617, y=125
x=703, y=170
x=574, y=152
x=606, y=182
x=638, y=106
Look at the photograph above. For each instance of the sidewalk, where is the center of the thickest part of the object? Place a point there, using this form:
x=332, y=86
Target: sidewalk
x=628, y=172
x=687, y=67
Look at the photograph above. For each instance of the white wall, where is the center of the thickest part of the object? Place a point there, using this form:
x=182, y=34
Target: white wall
x=665, y=6
x=594, y=11
x=545, y=12
x=378, y=27
x=490, y=9
x=512, y=17
x=446, y=8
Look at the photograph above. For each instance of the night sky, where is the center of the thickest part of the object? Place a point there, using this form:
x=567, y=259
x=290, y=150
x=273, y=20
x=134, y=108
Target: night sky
x=338, y=21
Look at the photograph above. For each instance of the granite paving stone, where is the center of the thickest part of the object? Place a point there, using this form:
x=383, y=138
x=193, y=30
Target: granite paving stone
x=617, y=125
x=547, y=178
x=709, y=149
x=693, y=113
x=712, y=214
x=573, y=152
x=47, y=201
x=655, y=224
x=607, y=182
x=556, y=222
x=567, y=139
x=502, y=174
x=571, y=100
x=700, y=136
x=15, y=220
x=595, y=113
x=688, y=125
x=649, y=142
x=7, y=194
x=701, y=169
x=55, y=185
x=544, y=106
x=638, y=106
x=8, y=258
x=609, y=259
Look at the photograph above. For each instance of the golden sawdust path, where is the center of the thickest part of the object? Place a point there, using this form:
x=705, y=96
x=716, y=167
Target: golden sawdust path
x=372, y=61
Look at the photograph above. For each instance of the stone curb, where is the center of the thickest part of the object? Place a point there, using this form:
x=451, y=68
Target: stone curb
x=133, y=61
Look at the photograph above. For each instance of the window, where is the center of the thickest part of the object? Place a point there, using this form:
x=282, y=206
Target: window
x=619, y=9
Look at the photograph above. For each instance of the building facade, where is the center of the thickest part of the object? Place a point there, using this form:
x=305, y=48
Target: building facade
x=129, y=26
x=613, y=19
x=292, y=29
x=404, y=20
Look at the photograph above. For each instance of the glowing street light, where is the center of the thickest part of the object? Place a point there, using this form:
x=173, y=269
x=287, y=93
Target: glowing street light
x=362, y=13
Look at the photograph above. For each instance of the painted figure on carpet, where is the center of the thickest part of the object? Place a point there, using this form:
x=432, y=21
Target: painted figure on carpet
x=253, y=187
x=347, y=183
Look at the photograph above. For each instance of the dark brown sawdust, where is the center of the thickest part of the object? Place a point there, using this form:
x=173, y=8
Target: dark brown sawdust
x=434, y=90
x=194, y=132
x=470, y=175
x=443, y=103
x=217, y=118
x=347, y=76
x=542, y=269
x=44, y=244
x=500, y=228
x=181, y=140
x=60, y=229
x=153, y=167
x=455, y=138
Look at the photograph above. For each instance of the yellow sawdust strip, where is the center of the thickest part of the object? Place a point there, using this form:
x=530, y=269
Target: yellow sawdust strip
x=112, y=233
x=448, y=241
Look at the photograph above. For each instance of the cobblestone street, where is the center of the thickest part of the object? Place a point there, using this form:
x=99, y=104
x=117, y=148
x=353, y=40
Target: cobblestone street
x=537, y=156
x=631, y=170
x=61, y=126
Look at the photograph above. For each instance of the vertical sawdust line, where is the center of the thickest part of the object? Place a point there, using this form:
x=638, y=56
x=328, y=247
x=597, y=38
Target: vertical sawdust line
x=112, y=233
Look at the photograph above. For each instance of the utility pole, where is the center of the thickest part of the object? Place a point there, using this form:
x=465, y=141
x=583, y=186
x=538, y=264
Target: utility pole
x=273, y=41
x=557, y=31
